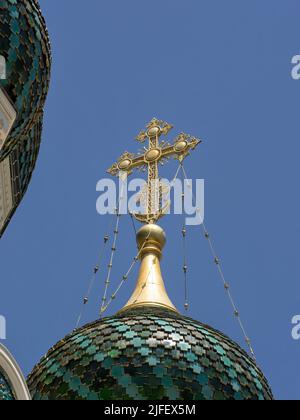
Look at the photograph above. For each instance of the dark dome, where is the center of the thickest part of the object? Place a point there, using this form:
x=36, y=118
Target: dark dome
x=147, y=354
x=6, y=392
x=25, y=45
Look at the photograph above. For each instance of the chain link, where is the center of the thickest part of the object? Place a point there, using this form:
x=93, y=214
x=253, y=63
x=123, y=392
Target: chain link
x=222, y=276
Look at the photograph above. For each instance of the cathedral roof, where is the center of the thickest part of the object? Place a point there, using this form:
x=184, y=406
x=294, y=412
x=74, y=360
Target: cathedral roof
x=147, y=353
x=12, y=381
x=25, y=46
x=24, y=43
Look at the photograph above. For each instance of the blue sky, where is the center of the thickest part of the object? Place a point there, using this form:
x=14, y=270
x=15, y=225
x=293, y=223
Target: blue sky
x=218, y=70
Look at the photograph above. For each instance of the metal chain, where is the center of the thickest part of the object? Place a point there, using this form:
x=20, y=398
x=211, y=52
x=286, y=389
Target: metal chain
x=133, y=223
x=222, y=276
x=110, y=265
x=124, y=279
x=96, y=269
x=92, y=281
x=123, y=176
x=185, y=265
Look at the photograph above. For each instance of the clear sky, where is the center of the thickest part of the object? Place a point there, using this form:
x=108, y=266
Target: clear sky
x=220, y=70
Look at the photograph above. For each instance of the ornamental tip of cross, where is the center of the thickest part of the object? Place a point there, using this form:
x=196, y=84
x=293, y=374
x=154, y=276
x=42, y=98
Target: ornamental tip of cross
x=157, y=151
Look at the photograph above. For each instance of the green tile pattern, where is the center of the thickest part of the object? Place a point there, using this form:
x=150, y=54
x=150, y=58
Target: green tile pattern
x=147, y=354
x=6, y=393
x=25, y=45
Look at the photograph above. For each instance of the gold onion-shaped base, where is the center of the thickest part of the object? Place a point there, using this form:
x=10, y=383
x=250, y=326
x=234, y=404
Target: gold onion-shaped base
x=150, y=288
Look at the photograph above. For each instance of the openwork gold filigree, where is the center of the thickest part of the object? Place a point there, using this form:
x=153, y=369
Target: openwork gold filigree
x=185, y=143
x=149, y=158
x=164, y=127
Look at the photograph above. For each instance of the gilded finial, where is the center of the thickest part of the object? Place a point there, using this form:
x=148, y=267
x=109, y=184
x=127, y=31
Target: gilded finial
x=150, y=289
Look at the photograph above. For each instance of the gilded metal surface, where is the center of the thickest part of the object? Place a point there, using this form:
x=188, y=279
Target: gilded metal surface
x=147, y=354
x=156, y=152
x=154, y=128
x=150, y=288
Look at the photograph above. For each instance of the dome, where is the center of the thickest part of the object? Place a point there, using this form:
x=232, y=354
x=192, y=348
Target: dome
x=26, y=58
x=6, y=392
x=25, y=46
x=147, y=353
x=12, y=383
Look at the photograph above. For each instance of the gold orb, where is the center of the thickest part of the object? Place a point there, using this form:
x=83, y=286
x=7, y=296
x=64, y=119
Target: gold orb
x=151, y=233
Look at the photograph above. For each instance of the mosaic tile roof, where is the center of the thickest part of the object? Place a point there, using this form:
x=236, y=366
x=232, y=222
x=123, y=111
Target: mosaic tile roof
x=6, y=393
x=25, y=45
x=147, y=354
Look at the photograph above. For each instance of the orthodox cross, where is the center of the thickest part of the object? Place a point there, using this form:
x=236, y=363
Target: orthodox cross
x=156, y=152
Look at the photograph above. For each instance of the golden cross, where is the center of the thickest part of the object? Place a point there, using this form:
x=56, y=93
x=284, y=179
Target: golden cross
x=156, y=152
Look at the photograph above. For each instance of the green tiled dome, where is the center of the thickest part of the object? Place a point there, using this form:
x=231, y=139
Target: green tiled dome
x=25, y=45
x=149, y=354
x=6, y=393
